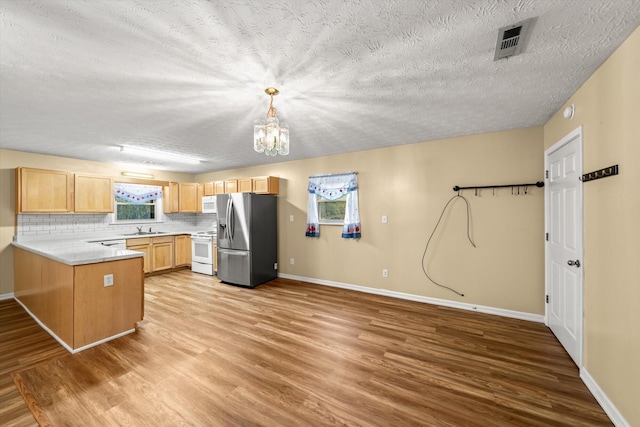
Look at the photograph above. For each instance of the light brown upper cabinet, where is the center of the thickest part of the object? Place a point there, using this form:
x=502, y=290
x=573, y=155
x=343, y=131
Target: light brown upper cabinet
x=209, y=189
x=218, y=187
x=181, y=197
x=188, y=197
x=231, y=186
x=245, y=185
x=43, y=191
x=94, y=194
x=266, y=185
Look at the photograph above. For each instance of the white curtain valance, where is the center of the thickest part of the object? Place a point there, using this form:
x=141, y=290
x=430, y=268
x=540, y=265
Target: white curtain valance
x=137, y=193
x=333, y=187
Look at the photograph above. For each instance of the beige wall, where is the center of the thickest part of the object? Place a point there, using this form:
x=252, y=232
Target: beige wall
x=608, y=108
x=9, y=160
x=411, y=184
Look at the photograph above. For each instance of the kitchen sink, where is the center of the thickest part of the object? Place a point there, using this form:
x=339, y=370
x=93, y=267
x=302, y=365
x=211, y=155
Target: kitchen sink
x=146, y=233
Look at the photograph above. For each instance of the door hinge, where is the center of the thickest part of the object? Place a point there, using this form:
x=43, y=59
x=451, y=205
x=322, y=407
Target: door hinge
x=546, y=236
x=546, y=174
x=547, y=299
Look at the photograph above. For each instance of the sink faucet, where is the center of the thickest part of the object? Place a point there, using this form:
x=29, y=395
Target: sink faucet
x=139, y=229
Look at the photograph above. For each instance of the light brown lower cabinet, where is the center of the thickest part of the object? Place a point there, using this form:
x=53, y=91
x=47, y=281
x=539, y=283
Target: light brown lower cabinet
x=72, y=301
x=182, y=250
x=163, y=252
x=143, y=247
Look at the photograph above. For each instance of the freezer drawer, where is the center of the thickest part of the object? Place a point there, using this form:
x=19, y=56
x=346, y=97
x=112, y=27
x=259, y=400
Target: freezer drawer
x=234, y=267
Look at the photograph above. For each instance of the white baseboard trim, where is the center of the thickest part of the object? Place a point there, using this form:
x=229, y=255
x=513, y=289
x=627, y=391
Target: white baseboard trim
x=609, y=408
x=6, y=296
x=64, y=344
x=411, y=297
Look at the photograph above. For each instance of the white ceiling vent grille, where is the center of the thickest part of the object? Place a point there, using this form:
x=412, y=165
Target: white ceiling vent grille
x=512, y=38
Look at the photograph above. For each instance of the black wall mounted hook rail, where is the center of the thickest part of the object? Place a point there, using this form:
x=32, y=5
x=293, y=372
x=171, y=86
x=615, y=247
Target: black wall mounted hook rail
x=601, y=173
x=537, y=184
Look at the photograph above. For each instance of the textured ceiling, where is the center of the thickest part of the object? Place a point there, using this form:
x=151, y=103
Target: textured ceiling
x=80, y=78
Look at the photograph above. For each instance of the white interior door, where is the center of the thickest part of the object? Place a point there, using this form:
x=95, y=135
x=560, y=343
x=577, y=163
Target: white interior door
x=563, y=259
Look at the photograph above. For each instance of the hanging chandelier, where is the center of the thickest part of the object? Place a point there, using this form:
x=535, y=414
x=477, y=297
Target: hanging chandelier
x=271, y=137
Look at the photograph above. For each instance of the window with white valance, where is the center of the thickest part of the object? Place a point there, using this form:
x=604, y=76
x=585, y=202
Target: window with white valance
x=137, y=202
x=333, y=187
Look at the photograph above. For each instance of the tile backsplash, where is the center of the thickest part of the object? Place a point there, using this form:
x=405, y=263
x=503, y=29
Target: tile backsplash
x=46, y=224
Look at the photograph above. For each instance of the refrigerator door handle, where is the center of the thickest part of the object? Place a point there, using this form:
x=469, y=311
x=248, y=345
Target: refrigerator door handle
x=230, y=222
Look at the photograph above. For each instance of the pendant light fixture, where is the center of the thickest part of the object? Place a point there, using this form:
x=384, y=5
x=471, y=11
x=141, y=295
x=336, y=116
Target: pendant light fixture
x=271, y=137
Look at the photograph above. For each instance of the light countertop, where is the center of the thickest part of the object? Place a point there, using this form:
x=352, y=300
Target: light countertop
x=82, y=249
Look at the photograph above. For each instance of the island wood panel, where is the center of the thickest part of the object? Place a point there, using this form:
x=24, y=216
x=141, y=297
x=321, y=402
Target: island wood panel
x=45, y=287
x=101, y=312
x=57, y=299
x=27, y=279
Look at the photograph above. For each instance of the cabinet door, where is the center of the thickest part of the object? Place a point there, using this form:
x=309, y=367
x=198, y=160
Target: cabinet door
x=162, y=253
x=94, y=194
x=199, y=197
x=245, y=185
x=215, y=257
x=188, y=197
x=218, y=187
x=266, y=185
x=209, y=189
x=171, y=202
x=145, y=249
x=183, y=250
x=231, y=186
x=43, y=191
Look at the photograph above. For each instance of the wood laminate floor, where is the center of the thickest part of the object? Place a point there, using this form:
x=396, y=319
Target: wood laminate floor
x=291, y=353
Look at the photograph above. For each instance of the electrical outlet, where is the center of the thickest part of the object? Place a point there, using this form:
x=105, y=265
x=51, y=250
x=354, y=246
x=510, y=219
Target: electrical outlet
x=108, y=279
x=290, y=218
x=385, y=219
x=292, y=261
x=385, y=273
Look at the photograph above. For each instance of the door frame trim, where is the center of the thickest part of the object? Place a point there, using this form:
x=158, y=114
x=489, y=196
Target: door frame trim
x=577, y=132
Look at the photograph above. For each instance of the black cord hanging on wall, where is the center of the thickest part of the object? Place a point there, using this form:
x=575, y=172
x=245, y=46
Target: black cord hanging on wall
x=426, y=248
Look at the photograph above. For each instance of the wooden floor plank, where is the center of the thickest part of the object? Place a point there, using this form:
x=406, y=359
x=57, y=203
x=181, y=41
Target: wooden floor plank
x=293, y=353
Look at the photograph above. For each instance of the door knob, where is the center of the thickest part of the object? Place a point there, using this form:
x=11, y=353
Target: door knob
x=576, y=262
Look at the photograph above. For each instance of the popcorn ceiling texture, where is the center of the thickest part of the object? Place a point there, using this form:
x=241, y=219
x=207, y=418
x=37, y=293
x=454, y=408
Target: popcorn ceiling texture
x=80, y=77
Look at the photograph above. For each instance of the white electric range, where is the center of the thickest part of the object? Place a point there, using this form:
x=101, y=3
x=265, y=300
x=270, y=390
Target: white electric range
x=202, y=244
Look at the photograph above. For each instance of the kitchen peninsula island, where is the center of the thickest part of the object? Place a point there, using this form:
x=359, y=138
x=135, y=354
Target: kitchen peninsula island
x=83, y=294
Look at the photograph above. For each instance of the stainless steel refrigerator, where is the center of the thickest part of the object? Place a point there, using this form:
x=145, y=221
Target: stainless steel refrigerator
x=247, y=238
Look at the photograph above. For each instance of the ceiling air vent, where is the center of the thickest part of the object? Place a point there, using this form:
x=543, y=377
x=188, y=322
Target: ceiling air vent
x=511, y=39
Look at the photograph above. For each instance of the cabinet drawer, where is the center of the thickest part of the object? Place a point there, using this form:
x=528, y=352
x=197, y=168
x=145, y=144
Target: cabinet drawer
x=138, y=241
x=162, y=239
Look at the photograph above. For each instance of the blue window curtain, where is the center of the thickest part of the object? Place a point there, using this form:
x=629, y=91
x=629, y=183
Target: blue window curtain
x=333, y=187
x=137, y=193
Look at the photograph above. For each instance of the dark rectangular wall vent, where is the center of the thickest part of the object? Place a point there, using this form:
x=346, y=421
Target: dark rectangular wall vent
x=512, y=38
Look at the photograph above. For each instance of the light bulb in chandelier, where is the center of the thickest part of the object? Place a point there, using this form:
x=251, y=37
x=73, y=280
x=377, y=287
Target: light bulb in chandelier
x=271, y=137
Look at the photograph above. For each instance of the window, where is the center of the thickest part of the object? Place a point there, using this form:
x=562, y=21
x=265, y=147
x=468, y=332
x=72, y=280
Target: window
x=127, y=211
x=332, y=211
x=137, y=203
